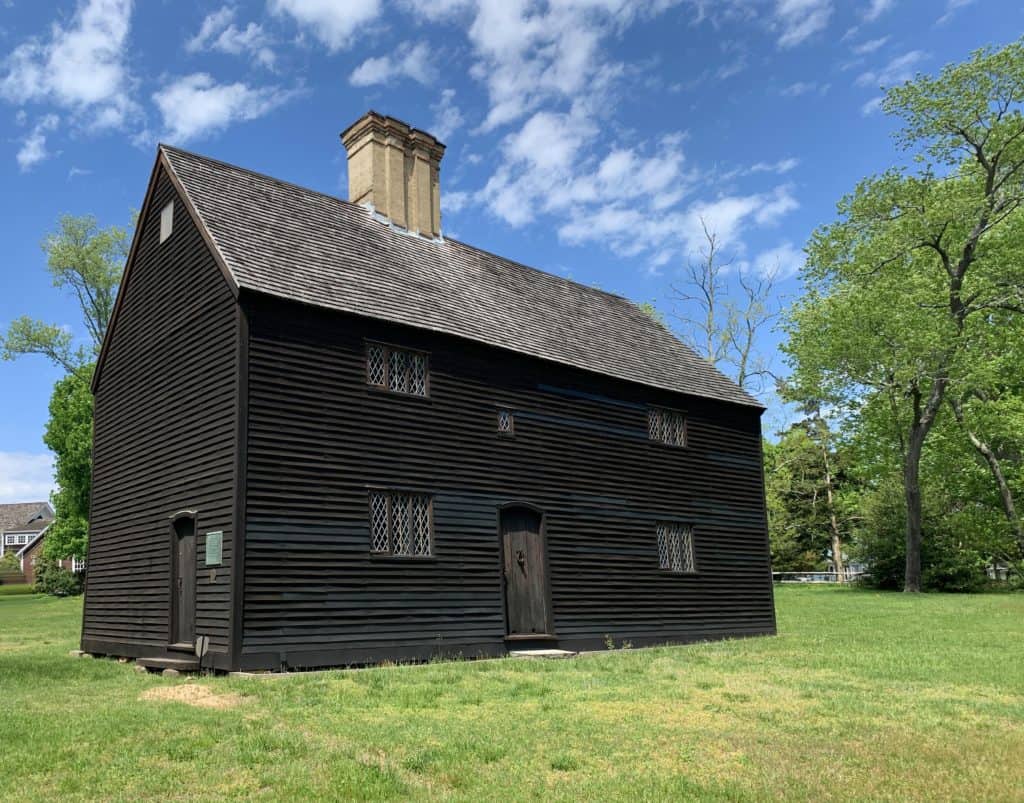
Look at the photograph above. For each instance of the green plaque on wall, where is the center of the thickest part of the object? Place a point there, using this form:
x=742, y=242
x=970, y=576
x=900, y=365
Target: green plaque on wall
x=214, y=547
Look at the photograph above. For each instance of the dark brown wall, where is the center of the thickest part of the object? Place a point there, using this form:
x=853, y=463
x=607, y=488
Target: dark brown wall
x=165, y=435
x=318, y=436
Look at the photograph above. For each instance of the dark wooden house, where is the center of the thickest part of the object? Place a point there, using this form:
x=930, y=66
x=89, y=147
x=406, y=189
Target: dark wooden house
x=325, y=435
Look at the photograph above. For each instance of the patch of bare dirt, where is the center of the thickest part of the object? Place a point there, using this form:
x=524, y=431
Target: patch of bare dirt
x=191, y=694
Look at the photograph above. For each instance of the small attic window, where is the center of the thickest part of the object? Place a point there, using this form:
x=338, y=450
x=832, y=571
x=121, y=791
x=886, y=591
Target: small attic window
x=166, y=221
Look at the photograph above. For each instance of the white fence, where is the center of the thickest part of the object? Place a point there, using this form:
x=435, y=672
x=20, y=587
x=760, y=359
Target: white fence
x=816, y=577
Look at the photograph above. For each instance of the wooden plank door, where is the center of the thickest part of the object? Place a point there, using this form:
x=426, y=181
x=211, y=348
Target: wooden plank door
x=526, y=583
x=183, y=591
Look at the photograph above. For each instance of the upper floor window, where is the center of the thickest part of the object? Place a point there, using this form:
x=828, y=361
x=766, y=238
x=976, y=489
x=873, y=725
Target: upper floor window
x=506, y=423
x=397, y=370
x=401, y=523
x=675, y=548
x=166, y=221
x=17, y=540
x=666, y=426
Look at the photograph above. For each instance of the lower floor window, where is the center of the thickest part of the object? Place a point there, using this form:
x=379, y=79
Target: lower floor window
x=401, y=523
x=675, y=548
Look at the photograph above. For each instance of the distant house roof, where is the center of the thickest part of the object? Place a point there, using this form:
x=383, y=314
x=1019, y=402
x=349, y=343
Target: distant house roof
x=25, y=517
x=294, y=243
x=34, y=540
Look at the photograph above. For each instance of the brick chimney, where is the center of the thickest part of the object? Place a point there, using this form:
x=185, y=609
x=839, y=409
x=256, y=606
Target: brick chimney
x=395, y=169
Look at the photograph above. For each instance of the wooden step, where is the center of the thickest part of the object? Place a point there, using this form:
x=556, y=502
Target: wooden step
x=181, y=664
x=542, y=653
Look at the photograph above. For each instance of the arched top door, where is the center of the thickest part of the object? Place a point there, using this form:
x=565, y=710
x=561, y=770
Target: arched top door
x=183, y=581
x=527, y=596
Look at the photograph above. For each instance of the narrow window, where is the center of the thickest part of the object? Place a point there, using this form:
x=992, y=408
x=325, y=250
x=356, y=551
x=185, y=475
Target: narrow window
x=397, y=370
x=401, y=524
x=666, y=426
x=506, y=423
x=166, y=221
x=675, y=548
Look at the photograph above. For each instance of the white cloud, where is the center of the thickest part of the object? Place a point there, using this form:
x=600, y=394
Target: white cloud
x=195, y=105
x=33, y=147
x=877, y=8
x=332, y=22
x=630, y=231
x=527, y=53
x=799, y=88
x=783, y=262
x=897, y=71
x=435, y=10
x=25, y=477
x=871, y=106
x=798, y=20
x=80, y=67
x=410, y=61
x=780, y=167
x=870, y=46
x=219, y=32
x=454, y=201
x=552, y=85
x=952, y=6
x=447, y=116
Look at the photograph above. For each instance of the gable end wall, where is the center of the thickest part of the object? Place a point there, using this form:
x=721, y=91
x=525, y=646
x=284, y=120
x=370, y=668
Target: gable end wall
x=165, y=434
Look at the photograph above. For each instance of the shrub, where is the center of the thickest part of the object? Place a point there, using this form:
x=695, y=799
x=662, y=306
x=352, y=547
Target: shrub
x=955, y=548
x=52, y=578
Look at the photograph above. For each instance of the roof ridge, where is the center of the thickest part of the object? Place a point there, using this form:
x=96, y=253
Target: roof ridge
x=303, y=188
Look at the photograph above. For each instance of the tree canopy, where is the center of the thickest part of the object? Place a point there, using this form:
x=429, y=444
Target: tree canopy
x=915, y=290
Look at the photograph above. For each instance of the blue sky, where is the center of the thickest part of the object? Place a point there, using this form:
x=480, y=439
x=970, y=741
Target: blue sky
x=586, y=137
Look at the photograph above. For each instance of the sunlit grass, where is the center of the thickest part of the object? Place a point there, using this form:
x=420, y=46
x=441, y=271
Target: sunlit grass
x=863, y=695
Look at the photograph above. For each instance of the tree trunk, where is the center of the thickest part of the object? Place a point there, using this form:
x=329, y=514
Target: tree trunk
x=912, y=493
x=837, y=539
x=924, y=419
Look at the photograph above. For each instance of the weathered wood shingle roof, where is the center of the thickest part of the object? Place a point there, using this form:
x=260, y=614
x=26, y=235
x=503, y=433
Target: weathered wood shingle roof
x=291, y=242
x=25, y=516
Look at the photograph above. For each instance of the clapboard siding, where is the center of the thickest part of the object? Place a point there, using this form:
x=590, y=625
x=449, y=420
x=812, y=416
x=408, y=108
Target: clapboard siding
x=165, y=438
x=318, y=436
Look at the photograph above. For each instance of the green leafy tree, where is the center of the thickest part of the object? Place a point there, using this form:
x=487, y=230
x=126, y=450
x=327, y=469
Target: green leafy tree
x=804, y=488
x=69, y=437
x=85, y=261
x=921, y=264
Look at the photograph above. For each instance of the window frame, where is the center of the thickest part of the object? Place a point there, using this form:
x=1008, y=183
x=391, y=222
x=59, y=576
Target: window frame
x=391, y=493
x=388, y=348
x=654, y=409
x=685, y=528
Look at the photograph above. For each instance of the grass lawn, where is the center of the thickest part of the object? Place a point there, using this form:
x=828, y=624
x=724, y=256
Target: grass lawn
x=864, y=695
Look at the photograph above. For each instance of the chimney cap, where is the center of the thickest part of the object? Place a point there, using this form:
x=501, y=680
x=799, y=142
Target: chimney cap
x=374, y=121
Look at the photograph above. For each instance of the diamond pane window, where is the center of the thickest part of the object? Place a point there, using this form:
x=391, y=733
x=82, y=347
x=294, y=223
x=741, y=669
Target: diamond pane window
x=376, y=365
x=397, y=370
x=379, y=522
x=506, y=422
x=401, y=537
x=666, y=426
x=420, y=525
x=400, y=523
x=417, y=374
x=675, y=548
